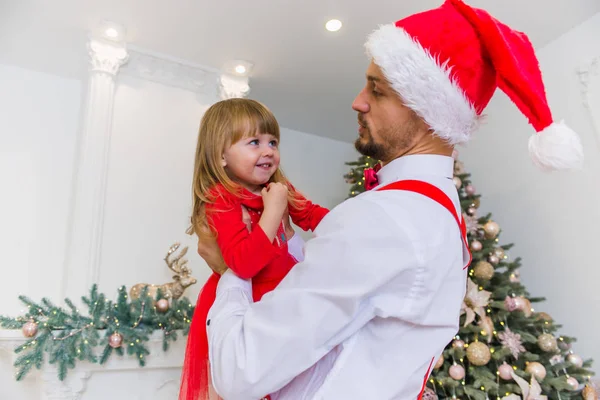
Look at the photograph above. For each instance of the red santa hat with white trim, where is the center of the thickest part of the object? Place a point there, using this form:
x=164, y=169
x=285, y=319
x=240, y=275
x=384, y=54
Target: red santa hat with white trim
x=446, y=64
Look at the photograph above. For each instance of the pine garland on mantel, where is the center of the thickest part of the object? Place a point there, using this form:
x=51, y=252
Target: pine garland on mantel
x=124, y=325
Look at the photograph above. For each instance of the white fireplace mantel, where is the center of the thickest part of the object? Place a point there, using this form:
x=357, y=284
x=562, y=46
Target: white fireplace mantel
x=119, y=378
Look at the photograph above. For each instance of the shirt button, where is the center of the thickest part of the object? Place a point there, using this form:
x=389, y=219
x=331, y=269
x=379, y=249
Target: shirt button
x=208, y=322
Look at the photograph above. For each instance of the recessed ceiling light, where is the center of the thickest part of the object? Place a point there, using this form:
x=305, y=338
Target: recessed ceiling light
x=240, y=69
x=333, y=25
x=111, y=33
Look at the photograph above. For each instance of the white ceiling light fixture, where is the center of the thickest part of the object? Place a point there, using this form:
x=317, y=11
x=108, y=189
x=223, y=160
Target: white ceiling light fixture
x=111, y=31
x=238, y=67
x=333, y=25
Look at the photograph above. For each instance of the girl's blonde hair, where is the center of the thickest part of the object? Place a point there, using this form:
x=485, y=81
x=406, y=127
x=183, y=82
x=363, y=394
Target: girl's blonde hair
x=222, y=125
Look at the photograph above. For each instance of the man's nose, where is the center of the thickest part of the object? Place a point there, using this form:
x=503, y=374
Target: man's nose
x=360, y=103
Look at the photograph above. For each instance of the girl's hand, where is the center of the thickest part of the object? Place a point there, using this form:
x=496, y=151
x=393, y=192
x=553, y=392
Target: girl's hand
x=275, y=198
x=275, y=201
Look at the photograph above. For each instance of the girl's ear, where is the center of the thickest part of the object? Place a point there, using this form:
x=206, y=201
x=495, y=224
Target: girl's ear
x=223, y=161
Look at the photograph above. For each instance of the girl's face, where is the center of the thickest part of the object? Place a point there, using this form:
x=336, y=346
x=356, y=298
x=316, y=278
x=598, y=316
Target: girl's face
x=252, y=160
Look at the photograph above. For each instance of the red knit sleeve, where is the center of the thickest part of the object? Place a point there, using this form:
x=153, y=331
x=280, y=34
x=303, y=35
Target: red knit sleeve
x=308, y=215
x=245, y=253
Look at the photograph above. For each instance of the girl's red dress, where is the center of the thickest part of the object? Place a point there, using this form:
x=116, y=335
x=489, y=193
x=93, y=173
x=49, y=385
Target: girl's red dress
x=249, y=255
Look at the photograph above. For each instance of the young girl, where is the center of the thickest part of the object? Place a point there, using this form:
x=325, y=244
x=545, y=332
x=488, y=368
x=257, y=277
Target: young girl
x=240, y=197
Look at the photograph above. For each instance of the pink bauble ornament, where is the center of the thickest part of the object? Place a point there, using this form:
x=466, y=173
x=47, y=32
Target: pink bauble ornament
x=520, y=303
x=573, y=383
x=515, y=277
x=493, y=259
x=575, y=359
x=162, y=305
x=470, y=189
x=564, y=345
x=472, y=211
x=536, y=369
x=510, y=303
x=505, y=372
x=30, y=329
x=457, y=372
x=115, y=340
x=457, y=182
x=439, y=363
x=458, y=344
x=476, y=245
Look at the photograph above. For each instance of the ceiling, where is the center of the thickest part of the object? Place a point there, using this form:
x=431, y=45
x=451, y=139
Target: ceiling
x=305, y=74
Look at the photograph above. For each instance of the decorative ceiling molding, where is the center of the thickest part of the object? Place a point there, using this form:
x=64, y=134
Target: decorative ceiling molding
x=170, y=72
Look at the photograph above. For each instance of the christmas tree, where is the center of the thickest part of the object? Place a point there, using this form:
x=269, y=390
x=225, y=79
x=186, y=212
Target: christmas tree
x=504, y=348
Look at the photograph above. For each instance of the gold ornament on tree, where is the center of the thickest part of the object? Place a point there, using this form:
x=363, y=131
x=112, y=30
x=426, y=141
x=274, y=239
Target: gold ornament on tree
x=439, y=363
x=181, y=280
x=30, y=329
x=499, y=252
x=536, y=369
x=483, y=270
x=478, y=354
x=115, y=340
x=491, y=229
x=547, y=343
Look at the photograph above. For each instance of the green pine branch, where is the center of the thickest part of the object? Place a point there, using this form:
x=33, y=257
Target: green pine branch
x=68, y=335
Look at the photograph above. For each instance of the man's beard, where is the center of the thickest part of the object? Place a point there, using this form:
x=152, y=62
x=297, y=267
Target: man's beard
x=369, y=148
x=395, y=140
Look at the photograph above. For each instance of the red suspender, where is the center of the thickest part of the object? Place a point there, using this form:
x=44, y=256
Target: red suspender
x=437, y=195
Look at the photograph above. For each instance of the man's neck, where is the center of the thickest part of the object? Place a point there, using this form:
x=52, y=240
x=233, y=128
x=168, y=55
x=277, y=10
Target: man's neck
x=432, y=145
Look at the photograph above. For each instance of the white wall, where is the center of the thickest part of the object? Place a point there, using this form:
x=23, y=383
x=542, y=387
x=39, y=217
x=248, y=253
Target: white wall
x=147, y=205
x=553, y=219
x=39, y=115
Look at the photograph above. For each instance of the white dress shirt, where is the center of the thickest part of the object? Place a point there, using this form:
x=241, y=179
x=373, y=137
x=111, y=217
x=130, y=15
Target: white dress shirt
x=376, y=299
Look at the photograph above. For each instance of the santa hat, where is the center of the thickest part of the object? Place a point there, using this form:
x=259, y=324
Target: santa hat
x=446, y=63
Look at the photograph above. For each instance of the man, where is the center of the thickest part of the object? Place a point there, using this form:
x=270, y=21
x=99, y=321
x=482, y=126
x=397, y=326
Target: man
x=378, y=296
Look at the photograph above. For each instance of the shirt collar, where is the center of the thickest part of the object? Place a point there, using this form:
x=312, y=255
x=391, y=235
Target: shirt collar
x=416, y=165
